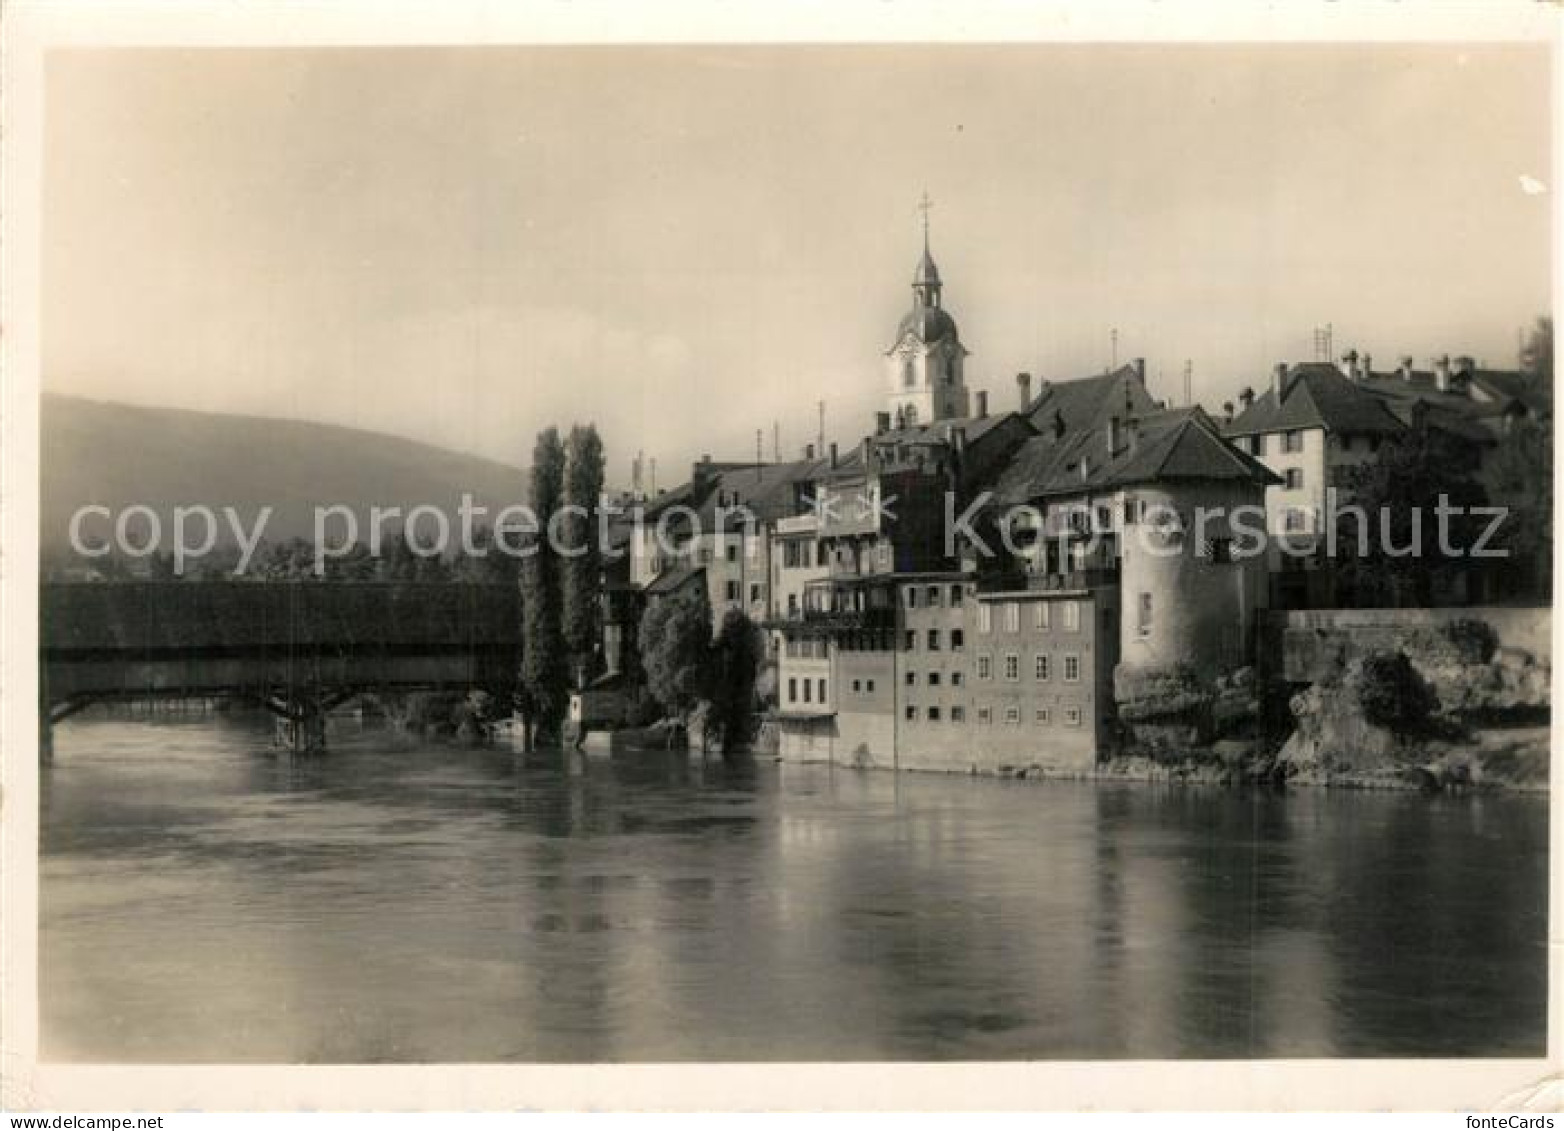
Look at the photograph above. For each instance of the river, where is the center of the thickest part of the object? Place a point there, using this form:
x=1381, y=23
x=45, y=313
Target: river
x=206, y=900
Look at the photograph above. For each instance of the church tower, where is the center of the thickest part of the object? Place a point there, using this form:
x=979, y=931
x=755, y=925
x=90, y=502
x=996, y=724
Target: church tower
x=925, y=363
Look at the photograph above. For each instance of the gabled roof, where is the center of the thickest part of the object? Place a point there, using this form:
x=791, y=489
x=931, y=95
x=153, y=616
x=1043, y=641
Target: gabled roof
x=1316, y=395
x=672, y=580
x=767, y=489
x=1178, y=444
x=1088, y=401
x=974, y=428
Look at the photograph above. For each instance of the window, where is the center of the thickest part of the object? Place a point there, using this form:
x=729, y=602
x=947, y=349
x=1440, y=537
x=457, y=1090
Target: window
x=1013, y=716
x=934, y=679
x=1143, y=615
x=806, y=691
x=1294, y=478
x=1040, y=716
x=869, y=687
x=933, y=640
x=1296, y=518
x=912, y=679
x=1040, y=616
x=1072, y=668
x=792, y=691
x=958, y=714
x=955, y=679
x=910, y=594
x=1072, y=716
x=985, y=667
x=912, y=714
x=821, y=685
x=1257, y=445
x=955, y=597
x=1040, y=666
x=732, y=590
x=912, y=640
x=985, y=715
x=1012, y=666
x=754, y=592
x=856, y=686
x=1013, y=616
x=733, y=551
x=1292, y=440
x=931, y=596
x=985, y=618
x=933, y=714
x=1072, y=616
x=958, y=640
x=1220, y=550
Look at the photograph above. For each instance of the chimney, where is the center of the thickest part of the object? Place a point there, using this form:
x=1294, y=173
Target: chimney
x=1024, y=391
x=1140, y=369
x=1366, y=369
x=1058, y=424
x=1113, y=435
x=1246, y=397
x=1442, y=374
x=882, y=422
x=1348, y=364
x=1278, y=380
x=833, y=453
x=1227, y=412
x=1404, y=370
x=982, y=403
x=700, y=475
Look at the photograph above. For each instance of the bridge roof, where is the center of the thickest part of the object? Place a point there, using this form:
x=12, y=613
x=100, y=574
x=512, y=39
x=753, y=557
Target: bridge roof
x=195, y=616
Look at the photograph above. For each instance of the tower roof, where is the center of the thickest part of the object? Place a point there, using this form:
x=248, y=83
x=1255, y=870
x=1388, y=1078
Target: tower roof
x=927, y=274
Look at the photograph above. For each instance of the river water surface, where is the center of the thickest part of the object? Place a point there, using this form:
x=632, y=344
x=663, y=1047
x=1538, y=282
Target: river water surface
x=204, y=900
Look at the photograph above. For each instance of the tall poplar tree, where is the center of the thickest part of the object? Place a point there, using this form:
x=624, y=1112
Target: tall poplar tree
x=582, y=568
x=543, y=671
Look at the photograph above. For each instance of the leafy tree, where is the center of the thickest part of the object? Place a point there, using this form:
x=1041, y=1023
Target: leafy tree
x=676, y=651
x=582, y=570
x=1521, y=479
x=1536, y=360
x=737, y=655
x=543, y=672
x=1400, y=490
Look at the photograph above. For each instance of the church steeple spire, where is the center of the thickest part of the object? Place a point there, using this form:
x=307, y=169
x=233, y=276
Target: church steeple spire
x=925, y=360
x=926, y=281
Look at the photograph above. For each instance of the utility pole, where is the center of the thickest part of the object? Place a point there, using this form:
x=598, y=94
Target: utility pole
x=820, y=438
x=1113, y=349
x=1189, y=369
x=776, y=442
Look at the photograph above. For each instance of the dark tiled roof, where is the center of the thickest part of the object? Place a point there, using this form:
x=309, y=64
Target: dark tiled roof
x=671, y=580
x=1087, y=402
x=767, y=489
x=1180, y=444
x=1317, y=395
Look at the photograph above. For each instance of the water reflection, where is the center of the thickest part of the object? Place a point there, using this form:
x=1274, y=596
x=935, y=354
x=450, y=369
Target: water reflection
x=204, y=900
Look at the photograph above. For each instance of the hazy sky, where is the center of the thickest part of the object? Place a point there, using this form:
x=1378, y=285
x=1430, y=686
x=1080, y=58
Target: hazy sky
x=464, y=244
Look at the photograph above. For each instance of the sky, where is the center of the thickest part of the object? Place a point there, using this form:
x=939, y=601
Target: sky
x=686, y=246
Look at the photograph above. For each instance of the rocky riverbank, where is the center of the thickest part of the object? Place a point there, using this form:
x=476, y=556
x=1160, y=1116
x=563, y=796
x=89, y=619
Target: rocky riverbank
x=1449, y=709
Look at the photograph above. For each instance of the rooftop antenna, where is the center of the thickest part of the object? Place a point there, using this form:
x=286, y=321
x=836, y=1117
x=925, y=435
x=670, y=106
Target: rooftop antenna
x=776, y=442
x=1189, y=370
x=820, y=405
x=923, y=206
x=760, y=451
x=1113, y=349
x=654, y=477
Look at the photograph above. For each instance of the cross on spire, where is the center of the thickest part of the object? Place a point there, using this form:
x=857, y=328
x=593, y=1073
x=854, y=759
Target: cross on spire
x=923, y=206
